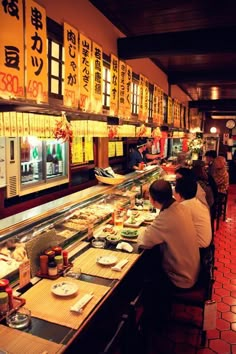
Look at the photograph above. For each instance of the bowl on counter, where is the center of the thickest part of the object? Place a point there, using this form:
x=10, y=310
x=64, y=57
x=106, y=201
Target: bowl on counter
x=98, y=242
x=113, y=239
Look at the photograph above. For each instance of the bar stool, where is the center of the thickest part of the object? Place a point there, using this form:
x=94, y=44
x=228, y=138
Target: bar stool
x=221, y=208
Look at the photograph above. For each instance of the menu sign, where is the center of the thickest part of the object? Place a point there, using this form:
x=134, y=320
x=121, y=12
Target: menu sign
x=36, y=48
x=85, y=53
x=128, y=83
x=11, y=49
x=71, y=85
x=97, y=78
x=114, y=85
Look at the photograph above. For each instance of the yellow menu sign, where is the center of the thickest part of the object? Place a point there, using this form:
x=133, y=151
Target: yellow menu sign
x=114, y=85
x=85, y=53
x=36, y=49
x=11, y=50
x=71, y=84
x=97, y=63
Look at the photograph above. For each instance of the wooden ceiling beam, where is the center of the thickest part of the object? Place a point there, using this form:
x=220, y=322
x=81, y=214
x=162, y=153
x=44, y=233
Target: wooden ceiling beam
x=226, y=105
x=197, y=77
x=202, y=41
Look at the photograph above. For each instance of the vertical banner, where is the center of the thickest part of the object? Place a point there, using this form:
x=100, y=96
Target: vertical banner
x=141, y=97
x=36, y=49
x=170, y=111
x=155, y=104
x=97, y=63
x=114, y=85
x=11, y=50
x=85, y=54
x=161, y=106
x=71, y=84
x=145, y=99
x=122, y=74
x=128, y=83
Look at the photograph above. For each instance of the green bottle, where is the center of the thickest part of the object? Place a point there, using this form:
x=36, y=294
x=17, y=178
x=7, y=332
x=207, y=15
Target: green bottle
x=60, y=160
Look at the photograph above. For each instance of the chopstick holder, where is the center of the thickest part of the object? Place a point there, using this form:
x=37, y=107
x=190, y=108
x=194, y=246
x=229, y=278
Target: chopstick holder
x=79, y=305
x=120, y=265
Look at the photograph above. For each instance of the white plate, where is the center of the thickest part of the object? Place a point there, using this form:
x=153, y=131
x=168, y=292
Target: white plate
x=107, y=260
x=133, y=223
x=64, y=288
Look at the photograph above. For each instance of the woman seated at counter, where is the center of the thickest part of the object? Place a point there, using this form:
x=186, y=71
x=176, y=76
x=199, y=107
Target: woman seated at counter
x=173, y=230
x=141, y=153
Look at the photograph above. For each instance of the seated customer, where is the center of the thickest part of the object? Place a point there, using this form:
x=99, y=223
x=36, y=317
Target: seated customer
x=174, y=231
x=187, y=172
x=210, y=157
x=185, y=192
x=220, y=174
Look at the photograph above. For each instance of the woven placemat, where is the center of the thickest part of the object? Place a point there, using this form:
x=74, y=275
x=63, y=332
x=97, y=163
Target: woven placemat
x=87, y=261
x=14, y=341
x=56, y=309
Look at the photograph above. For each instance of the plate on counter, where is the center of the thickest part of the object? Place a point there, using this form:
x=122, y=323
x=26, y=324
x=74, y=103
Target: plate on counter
x=150, y=216
x=64, y=288
x=133, y=222
x=107, y=260
x=129, y=233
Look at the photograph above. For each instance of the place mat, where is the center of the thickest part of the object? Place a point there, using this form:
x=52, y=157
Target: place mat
x=56, y=309
x=87, y=262
x=14, y=341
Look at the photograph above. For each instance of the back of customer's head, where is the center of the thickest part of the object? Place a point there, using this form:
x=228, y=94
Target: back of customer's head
x=184, y=172
x=186, y=187
x=211, y=154
x=161, y=191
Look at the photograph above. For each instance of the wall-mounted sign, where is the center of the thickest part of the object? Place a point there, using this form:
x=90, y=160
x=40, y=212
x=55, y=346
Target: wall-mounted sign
x=85, y=54
x=114, y=85
x=11, y=50
x=36, y=49
x=97, y=64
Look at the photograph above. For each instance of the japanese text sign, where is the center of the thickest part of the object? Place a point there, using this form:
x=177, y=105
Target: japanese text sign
x=36, y=48
x=97, y=63
x=114, y=85
x=11, y=49
x=71, y=85
x=85, y=53
x=122, y=79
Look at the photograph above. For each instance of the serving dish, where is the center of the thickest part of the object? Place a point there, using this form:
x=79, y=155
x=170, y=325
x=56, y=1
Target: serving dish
x=133, y=221
x=106, y=260
x=64, y=288
x=114, y=239
x=111, y=180
x=129, y=233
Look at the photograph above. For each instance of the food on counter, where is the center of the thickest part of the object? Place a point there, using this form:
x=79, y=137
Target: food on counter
x=129, y=233
x=109, y=230
x=66, y=233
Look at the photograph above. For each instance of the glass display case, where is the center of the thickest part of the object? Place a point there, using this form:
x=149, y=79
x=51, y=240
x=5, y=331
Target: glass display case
x=68, y=224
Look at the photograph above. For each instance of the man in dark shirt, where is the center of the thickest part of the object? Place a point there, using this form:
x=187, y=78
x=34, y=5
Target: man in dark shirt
x=140, y=153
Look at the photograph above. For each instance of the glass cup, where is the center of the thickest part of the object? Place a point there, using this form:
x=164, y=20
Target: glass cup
x=73, y=273
x=119, y=219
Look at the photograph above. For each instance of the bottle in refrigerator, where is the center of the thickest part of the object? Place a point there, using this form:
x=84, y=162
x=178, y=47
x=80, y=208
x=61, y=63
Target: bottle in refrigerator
x=49, y=163
x=27, y=149
x=60, y=160
x=55, y=160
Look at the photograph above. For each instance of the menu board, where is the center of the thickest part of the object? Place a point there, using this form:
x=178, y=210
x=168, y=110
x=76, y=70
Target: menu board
x=111, y=149
x=119, y=148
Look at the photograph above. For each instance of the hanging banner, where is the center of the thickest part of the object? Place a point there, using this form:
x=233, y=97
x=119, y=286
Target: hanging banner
x=145, y=99
x=128, y=83
x=71, y=84
x=97, y=63
x=155, y=104
x=161, y=106
x=122, y=74
x=141, y=97
x=114, y=85
x=85, y=53
x=11, y=50
x=36, y=49
x=170, y=111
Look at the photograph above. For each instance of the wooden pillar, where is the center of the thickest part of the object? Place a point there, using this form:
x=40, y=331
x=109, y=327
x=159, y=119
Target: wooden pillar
x=103, y=161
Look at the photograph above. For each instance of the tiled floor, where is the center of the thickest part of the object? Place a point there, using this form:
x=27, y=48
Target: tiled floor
x=222, y=340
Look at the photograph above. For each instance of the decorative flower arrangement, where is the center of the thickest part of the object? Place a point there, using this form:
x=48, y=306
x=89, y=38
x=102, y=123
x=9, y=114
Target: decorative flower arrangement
x=63, y=129
x=195, y=145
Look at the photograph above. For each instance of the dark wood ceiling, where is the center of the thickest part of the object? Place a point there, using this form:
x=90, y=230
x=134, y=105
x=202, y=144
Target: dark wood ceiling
x=193, y=42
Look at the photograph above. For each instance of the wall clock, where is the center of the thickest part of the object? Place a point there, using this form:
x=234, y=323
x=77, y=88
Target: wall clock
x=230, y=124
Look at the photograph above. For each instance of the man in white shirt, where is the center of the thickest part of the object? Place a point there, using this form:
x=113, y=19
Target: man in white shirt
x=173, y=230
x=185, y=193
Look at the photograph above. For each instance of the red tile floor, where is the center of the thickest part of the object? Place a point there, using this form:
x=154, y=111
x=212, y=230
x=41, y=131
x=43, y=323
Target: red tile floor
x=177, y=339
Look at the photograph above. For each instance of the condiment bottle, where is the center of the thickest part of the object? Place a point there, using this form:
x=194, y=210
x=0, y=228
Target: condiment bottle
x=50, y=254
x=59, y=262
x=9, y=292
x=43, y=260
x=3, y=303
x=4, y=283
x=52, y=268
x=65, y=258
x=57, y=250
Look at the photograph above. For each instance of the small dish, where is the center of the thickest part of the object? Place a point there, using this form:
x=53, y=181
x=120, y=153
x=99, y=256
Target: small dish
x=129, y=233
x=107, y=260
x=98, y=243
x=113, y=239
x=64, y=288
x=18, y=319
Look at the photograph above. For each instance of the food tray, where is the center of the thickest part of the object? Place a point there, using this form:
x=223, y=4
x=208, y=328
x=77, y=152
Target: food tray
x=111, y=180
x=17, y=303
x=137, y=222
x=53, y=277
